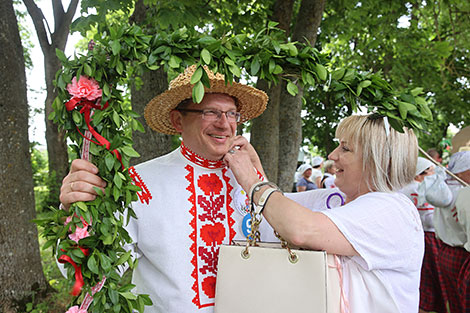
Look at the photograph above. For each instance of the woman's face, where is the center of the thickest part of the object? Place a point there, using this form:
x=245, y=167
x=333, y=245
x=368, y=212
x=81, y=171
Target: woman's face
x=349, y=172
x=308, y=173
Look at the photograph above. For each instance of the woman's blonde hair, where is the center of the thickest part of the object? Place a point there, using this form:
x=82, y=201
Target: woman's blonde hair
x=388, y=160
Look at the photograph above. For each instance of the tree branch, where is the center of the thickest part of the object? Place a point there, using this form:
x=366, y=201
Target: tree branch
x=38, y=20
x=63, y=22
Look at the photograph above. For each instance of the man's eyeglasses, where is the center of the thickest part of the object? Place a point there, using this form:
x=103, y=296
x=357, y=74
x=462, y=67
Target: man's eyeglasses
x=213, y=115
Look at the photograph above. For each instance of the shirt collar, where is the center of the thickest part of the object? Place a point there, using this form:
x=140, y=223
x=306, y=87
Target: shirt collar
x=199, y=160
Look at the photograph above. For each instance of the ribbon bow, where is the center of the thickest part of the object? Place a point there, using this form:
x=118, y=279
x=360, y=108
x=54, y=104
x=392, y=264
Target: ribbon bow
x=87, y=105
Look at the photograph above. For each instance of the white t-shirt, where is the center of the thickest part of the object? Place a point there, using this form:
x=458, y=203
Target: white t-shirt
x=385, y=229
x=316, y=173
x=426, y=210
x=329, y=181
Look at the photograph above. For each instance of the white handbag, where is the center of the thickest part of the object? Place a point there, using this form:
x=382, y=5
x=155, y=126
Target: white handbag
x=255, y=277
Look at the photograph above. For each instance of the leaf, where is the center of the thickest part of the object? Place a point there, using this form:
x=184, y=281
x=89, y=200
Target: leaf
x=105, y=262
x=416, y=91
x=272, y=65
x=113, y=295
x=128, y=295
x=338, y=74
x=92, y=264
x=255, y=66
x=109, y=160
x=117, y=181
x=174, y=62
x=77, y=118
x=365, y=83
x=229, y=61
x=106, y=90
x=404, y=107
x=292, y=49
x=292, y=88
x=115, y=46
x=278, y=69
x=129, y=151
x=235, y=70
x=198, y=92
x=276, y=46
x=61, y=55
x=82, y=205
x=123, y=258
x=116, y=119
x=206, y=56
x=196, y=75
x=321, y=71
x=87, y=69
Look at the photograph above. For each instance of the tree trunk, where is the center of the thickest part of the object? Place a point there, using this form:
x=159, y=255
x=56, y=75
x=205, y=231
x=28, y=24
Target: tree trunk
x=265, y=131
x=150, y=144
x=20, y=265
x=55, y=139
x=265, y=128
x=290, y=124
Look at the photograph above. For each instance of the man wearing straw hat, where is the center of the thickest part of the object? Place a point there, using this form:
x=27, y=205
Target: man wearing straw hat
x=196, y=203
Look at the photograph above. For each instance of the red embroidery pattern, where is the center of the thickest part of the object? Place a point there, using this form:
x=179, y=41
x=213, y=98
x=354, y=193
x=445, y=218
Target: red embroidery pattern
x=197, y=159
x=212, y=224
x=145, y=194
x=454, y=214
x=230, y=210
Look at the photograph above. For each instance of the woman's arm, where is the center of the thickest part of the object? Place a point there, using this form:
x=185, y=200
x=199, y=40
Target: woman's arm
x=295, y=223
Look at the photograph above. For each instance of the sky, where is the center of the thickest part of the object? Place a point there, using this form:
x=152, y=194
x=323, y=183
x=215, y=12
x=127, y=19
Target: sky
x=35, y=76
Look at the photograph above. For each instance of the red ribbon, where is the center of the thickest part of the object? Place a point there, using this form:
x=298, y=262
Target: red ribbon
x=86, y=111
x=77, y=286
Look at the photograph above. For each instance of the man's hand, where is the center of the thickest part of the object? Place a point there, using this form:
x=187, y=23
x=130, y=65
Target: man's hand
x=78, y=184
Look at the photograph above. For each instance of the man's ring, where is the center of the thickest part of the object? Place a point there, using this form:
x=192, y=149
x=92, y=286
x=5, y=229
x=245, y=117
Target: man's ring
x=231, y=151
x=71, y=186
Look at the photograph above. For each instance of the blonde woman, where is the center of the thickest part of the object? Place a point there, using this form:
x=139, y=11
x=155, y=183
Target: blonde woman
x=377, y=233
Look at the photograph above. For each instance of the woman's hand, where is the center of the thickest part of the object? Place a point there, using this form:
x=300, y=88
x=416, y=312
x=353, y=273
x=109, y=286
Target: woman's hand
x=78, y=184
x=243, y=160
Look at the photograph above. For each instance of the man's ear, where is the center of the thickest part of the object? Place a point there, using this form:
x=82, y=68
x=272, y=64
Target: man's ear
x=176, y=120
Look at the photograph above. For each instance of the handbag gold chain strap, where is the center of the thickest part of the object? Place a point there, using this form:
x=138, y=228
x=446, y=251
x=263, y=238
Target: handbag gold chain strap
x=254, y=237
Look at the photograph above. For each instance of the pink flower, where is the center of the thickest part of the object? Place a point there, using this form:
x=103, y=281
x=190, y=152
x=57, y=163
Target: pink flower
x=86, y=87
x=80, y=232
x=76, y=309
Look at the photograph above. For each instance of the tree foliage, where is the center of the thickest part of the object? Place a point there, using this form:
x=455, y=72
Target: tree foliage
x=414, y=43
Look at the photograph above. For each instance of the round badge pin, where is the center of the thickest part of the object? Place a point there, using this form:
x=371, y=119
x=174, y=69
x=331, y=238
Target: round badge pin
x=246, y=225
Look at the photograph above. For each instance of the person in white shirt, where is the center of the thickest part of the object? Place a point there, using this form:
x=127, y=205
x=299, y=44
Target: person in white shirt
x=196, y=203
x=317, y=165
x=377, y=233
x=328, y=179
x=432, y=296
x=451, y=229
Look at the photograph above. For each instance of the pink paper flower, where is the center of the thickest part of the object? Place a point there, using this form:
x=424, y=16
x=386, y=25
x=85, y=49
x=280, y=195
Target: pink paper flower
x=80, y=232
x=76, y=309
x=86, y=87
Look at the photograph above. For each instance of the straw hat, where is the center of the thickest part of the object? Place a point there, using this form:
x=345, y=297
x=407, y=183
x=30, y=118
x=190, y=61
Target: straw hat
x=251, y=101
x=461, y=140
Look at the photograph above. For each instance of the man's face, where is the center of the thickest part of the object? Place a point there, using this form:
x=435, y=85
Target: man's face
x=209, y=139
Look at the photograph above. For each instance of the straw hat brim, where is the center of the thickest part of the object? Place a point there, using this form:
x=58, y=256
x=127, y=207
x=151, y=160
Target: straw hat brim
x=251, y=103
x=461, y=140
